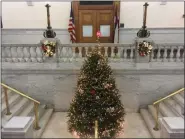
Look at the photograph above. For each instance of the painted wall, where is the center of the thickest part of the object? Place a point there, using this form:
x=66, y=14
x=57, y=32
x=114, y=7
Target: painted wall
x=158, y=16
x=20, y=15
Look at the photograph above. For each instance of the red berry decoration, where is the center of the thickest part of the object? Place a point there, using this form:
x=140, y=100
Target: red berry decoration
x=44, y=47
x=93, y=92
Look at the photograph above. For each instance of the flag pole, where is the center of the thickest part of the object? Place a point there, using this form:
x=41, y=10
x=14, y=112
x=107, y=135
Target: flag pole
x=118, y=35
x=117, y=6
x=118, y=11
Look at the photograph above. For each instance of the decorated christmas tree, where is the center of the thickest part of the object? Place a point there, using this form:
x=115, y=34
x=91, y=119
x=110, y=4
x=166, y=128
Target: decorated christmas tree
x=96, y=99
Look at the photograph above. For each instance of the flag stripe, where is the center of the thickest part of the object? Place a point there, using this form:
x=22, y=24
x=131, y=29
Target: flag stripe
x=71, y=27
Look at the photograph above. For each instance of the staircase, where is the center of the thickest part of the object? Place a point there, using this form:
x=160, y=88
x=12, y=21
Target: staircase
x=21, y=106
x=171, y=107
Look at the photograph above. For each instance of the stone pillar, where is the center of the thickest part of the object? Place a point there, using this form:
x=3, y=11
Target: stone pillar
x=18, y=127
x=55, y=58
x=172, y=127
x=142, y=62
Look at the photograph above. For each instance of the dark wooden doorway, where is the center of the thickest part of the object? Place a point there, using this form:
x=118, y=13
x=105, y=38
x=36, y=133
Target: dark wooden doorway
x=91, y=16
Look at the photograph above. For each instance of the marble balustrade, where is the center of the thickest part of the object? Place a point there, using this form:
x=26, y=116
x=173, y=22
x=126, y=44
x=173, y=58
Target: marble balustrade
x=16, y=53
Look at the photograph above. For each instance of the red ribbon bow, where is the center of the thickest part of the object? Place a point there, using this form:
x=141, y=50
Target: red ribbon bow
x=98, y=34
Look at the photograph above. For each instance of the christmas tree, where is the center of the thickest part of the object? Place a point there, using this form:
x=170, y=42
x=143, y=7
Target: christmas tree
x=96, y=99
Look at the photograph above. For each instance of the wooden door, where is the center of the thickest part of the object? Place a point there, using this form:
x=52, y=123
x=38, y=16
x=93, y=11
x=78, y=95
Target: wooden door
x=94, y=20
x=98, y=15
x=105, y=23
x=87, y=21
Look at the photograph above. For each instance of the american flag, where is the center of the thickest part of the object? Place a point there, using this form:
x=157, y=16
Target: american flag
x=71, y=28
x=116, y=26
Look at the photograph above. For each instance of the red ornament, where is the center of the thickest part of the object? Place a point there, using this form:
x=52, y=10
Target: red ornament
x=93, y=92
x=98, y=34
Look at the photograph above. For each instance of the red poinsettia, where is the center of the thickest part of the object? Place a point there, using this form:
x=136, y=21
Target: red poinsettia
x=44, y=47
x=93, y=92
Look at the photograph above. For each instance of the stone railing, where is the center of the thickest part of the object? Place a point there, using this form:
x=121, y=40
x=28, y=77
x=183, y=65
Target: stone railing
x=76, y=52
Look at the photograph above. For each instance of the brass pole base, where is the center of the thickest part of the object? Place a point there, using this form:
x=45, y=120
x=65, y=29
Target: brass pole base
x=8, y=113
x=156, y=128
x=37, y=128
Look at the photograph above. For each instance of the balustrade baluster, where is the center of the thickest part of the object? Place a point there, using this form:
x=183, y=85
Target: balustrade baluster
x=14, y=54
x=33, y=54
x=165, y=54
x=158, y=54
x=124, y=54
x=64, y=54
x=152, y=56
x=171, y=54
x=178, y=54
x=20, y=54
x=74, y=55
x=61, y=54
x=39, y=54
x=83, y=51
x=168, y=53
x=131, y=54
x=106, y=51
x=112, y=56
x=119, y=54
x=27, y=55
x=86, y=51
x=70, y=54
x=78, y=53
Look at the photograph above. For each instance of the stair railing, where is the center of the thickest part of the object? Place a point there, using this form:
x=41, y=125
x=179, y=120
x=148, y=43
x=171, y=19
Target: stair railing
x=36, y=104
x=156, y=105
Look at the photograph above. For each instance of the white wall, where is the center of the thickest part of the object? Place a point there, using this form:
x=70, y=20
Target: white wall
x=158, y=16
x=19, y=15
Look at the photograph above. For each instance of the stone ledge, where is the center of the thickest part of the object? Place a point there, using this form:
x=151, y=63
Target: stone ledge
x=77, y=71
x=128, y=68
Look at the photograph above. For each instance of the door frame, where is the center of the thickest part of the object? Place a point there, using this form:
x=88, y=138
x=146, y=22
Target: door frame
x=76, y=7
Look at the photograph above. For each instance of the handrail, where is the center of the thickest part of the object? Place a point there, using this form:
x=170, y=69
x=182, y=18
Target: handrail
x=36, y=103
x=156, y=105
x=18, y=92
x=164, y=98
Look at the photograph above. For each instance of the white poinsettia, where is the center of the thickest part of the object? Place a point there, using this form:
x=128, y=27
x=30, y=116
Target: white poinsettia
x=146, y=44
x=46, y=42
x=150, y=47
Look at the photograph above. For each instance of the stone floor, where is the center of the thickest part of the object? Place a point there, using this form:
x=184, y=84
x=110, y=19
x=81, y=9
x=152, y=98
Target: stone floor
x=134, y=127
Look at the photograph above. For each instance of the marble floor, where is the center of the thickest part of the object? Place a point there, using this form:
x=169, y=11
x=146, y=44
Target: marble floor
x=134, y=127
